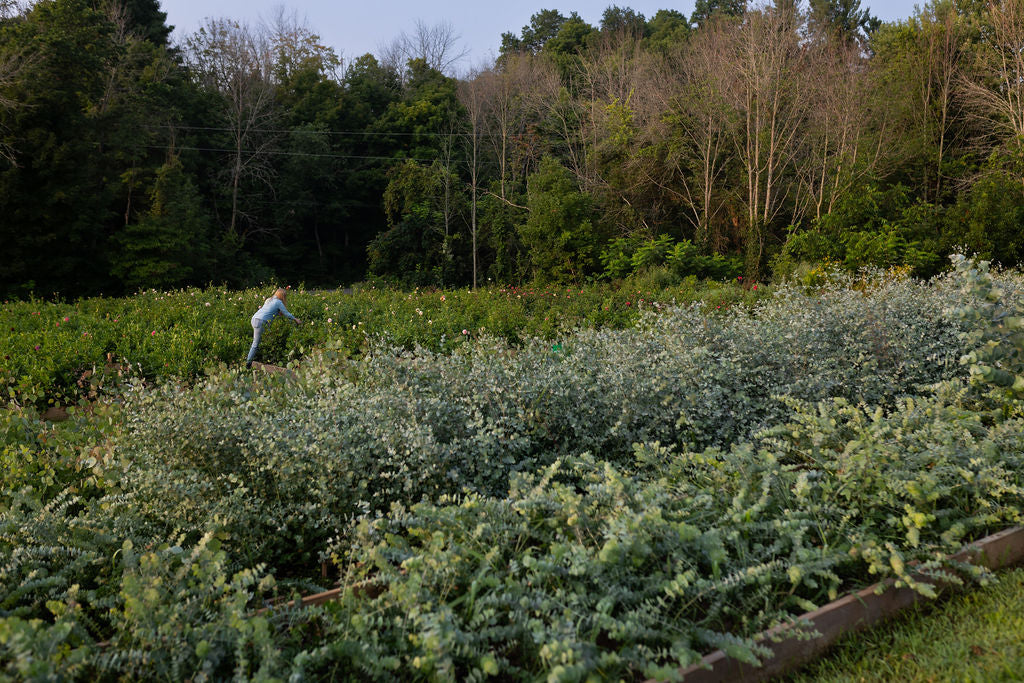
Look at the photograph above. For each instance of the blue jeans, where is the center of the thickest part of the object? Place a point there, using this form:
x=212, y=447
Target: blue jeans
x=257, y=334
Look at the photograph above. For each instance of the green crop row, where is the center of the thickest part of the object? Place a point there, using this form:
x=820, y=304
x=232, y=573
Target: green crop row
x=66, y=351
x=610, y=506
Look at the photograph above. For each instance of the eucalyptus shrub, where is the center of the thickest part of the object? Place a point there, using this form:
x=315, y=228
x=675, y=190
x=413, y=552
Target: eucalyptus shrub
x=49, y=552
x=613, y=506
x=586, y=570
x=161, y=612
x=57, y=351
x=38, y=460
x=279, y=465
x=995, y=312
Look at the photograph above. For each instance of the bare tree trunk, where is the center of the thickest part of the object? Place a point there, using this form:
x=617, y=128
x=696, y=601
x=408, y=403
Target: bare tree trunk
x=945, y=59
x=994, y=93
x=237, y=62
x=319, y=246
x=447, y=153
x=692, y=95
x=473, y=227
x=473, y=93
x=933, y=65
x=768, y=68
x=236, y=176
x=128, y=201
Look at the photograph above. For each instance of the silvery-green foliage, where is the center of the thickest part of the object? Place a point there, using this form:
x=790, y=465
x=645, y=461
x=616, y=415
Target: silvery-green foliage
x=585, y=570
x=474, y=540
x=871, y=343
x=183, y=615
x=166, y=613
x=995, y=312
x=279, y=465
x=48, y=552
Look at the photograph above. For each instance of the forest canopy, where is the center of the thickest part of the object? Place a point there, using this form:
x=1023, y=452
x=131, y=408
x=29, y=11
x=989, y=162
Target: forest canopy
x=746, y=139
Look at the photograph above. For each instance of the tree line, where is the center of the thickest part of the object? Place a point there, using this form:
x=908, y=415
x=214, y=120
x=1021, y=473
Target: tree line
x=743, y=139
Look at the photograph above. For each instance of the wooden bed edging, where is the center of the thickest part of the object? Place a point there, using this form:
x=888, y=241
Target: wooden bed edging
x=364, y=588
x=305, y=601
x=847, y=615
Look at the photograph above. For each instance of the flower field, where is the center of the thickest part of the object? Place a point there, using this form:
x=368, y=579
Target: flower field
x=653, y=486
x=62, y=351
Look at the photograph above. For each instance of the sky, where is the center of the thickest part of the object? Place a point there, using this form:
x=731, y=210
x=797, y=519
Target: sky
x=355, y=28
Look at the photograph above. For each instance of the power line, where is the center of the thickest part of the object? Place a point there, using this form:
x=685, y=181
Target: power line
x=285, y=153
x=314, y=132
x=359, y=157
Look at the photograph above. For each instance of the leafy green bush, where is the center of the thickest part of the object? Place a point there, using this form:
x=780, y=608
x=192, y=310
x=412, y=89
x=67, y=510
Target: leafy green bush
x=584, y=570
x=276, y=465
x=626, y=256
x=526, y=511
x=561, y=233
x=871, y=228
x=61, y=352
x=39, y=459
x=995, y=314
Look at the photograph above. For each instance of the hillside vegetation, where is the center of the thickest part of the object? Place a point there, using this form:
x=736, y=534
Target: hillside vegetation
x=746, y=139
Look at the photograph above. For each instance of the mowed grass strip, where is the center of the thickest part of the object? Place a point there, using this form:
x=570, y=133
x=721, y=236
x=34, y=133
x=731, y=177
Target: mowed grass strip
x=974, y=635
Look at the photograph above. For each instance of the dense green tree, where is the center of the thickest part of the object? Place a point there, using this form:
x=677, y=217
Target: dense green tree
x=667, y=29
x=784, y=136
x=873, y=226
x=425, y=240
x=135, y=117
x=369, y=89
x=234, y=62
x=989, y=220
x=705, y=9
x=543, y=26
x=841, y=19
x=565, y=48
x=623, y=20
x=422, y=115
x=307, y=213
x=504, y=251
x=561, y=234
x=143, y=18
x=90, y=143
x=170, y=244
x=58, y=205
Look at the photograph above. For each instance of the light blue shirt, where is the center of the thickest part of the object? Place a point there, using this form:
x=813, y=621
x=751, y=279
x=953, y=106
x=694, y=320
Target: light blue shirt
x=270, y=309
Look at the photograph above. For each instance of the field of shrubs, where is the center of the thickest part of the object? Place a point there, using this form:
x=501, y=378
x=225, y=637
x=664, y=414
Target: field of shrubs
x=608, y=495
x=63, y=351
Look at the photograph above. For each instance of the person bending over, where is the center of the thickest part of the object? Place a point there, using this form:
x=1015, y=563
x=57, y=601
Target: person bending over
x=271, y=308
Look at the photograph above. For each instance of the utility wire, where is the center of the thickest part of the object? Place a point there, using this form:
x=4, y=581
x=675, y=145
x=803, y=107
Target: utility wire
x=284, y=153
x=220, y=150
x=314, y=132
